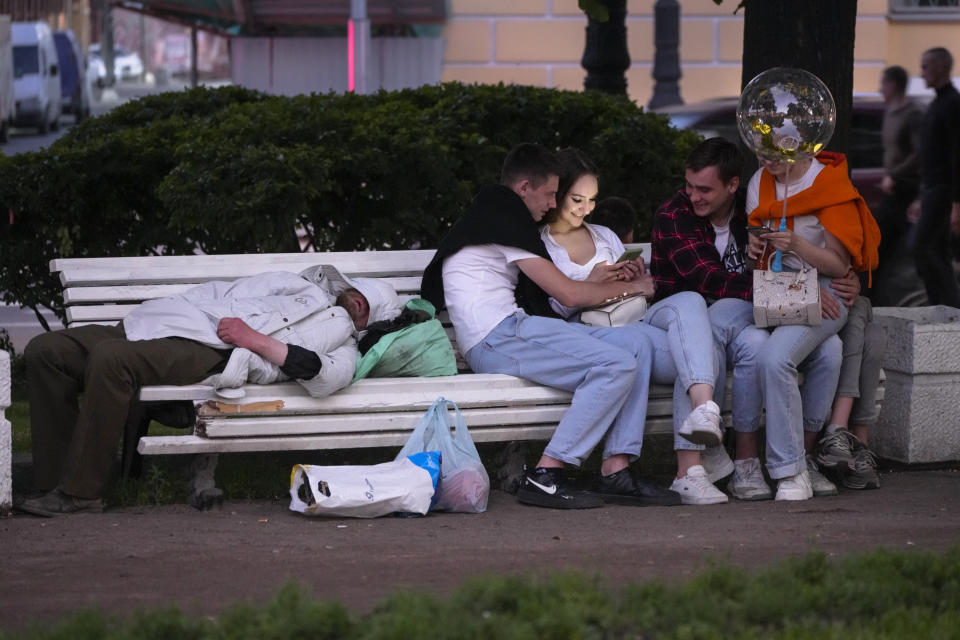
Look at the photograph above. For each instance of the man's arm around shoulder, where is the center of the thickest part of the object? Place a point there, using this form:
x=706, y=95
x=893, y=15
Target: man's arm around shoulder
x=574, y=293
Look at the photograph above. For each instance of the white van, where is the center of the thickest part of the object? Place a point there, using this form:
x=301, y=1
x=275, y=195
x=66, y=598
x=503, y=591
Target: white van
x=36, y=80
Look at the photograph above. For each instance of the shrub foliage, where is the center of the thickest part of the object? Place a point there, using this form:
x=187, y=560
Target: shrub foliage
x=231, y=170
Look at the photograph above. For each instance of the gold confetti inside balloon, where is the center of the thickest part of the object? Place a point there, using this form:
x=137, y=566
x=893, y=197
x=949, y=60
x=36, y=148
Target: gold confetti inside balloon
x=786, y=114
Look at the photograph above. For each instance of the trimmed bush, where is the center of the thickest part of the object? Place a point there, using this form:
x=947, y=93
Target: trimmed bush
x=231, y=170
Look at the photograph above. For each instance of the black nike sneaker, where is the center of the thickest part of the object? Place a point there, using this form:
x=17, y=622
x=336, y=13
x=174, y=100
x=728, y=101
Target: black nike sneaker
x=623, y=488
x=545, y=487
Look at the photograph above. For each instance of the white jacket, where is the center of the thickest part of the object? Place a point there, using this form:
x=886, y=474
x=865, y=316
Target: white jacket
x=281, y=305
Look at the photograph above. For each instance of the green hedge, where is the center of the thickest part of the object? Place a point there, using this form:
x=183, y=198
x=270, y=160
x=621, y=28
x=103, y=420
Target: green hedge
x=231, y=170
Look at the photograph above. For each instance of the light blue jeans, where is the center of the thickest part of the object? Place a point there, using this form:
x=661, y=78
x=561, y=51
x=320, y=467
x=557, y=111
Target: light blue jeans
x=765, y=364
x=790, y=413
x=607, y=369
x=686, y=341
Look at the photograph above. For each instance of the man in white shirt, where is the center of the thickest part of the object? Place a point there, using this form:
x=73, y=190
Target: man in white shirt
x=494, y=275
x=269, y=327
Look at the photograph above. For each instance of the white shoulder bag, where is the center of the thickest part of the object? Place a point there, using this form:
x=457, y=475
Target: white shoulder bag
x=617, y=313
x=786, y=297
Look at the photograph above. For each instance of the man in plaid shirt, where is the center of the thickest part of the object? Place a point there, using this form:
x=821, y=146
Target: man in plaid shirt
x=699, y=244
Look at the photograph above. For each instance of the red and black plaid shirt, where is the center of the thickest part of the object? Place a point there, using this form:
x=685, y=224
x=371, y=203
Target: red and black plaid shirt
x=684, y=257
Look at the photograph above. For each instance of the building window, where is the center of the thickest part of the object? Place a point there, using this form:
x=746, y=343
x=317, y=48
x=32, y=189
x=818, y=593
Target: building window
x=928, y=10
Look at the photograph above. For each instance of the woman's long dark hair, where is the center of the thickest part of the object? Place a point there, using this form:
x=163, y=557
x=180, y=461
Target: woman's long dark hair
x=574, y=164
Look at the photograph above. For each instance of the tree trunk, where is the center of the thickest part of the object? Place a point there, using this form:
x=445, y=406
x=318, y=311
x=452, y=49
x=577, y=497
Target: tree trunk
x=815, y=35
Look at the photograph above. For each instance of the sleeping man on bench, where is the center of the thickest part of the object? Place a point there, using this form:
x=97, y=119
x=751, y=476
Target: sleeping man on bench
x=261, y=329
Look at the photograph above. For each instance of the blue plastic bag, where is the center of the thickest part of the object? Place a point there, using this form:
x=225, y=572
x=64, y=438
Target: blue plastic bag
x=464, y=484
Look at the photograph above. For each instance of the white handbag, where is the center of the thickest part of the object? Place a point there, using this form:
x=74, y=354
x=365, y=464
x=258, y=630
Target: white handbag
x=616, y=314
x=786, y=297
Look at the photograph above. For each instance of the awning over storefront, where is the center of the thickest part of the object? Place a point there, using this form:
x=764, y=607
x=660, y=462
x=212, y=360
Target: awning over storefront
x=278, y=17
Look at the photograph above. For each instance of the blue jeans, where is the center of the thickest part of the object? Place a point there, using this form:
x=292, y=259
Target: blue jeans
x=739, y=345
x=687, y=338
x=607, y=369
x=790, y=413
x=765, y=364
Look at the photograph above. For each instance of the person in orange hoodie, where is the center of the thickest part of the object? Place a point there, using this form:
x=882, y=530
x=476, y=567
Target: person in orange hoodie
x=829, y=228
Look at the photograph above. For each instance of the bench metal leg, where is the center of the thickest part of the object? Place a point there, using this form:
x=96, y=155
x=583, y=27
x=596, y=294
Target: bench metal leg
x=508, y=466
x=204, y=493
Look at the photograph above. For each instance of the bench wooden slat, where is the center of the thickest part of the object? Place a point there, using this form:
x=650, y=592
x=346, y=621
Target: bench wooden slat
x=393, y=261
x=190, y=444
x=475, y=415
x=357, y=395
x=78, y=315
x=119, y=275
x=137, y=293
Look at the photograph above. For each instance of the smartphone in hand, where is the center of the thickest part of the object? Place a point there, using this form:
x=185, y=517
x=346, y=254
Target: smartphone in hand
x=630, y=254
x=759, y=230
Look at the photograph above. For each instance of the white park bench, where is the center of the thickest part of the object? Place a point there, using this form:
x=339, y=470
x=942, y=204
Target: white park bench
x=372, y=412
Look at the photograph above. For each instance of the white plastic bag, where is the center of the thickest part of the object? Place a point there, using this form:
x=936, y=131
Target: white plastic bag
x=405, y=485
x=464, y=484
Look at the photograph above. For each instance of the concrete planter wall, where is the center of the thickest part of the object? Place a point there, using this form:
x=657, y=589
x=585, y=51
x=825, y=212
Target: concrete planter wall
x=6, y=437
x=919, y=421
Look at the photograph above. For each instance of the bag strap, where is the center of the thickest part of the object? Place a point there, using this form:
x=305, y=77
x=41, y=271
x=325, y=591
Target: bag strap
x=463, y=432
x=801, y=275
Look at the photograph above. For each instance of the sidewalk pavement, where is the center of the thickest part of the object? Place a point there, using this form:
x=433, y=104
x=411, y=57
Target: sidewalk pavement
x=149, y=557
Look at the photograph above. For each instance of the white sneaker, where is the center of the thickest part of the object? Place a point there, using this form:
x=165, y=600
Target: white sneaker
x=747, y=482
x=821, y=486
x=695, y=488
x=716, y=462
x=795, y=487
x=702, y=426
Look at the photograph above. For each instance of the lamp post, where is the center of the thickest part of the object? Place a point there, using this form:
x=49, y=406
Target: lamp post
x=358, y=45
x=666, y=59
x=605, y=56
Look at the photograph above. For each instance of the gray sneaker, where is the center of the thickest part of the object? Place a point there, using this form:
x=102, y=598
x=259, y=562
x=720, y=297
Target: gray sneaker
x=834, y=452
x=863, y=473
x=58, y=503
x=821, y=486
x=747, y=482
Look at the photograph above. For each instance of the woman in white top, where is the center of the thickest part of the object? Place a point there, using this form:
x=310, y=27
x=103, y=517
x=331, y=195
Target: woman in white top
x=792, y=435
x=678, y=326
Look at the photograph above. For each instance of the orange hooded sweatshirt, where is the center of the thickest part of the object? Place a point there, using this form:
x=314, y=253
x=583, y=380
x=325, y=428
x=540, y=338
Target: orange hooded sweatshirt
x=836, y=203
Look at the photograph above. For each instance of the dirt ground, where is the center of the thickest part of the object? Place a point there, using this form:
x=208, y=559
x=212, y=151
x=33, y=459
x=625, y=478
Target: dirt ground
x=125, y=559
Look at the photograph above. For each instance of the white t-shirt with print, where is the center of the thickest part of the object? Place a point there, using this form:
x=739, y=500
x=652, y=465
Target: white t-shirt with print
x=479, y=282
x=807, y=227
x=608, y=248
x=722, y=237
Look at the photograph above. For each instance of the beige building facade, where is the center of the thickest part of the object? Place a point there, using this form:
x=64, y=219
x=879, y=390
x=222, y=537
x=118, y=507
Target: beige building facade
x=540, y=42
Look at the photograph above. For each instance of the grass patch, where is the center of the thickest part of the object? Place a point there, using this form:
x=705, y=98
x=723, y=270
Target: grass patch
x=878, y=595
x=19, y=416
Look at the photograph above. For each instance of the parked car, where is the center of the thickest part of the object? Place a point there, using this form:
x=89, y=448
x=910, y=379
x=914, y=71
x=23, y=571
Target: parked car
x=73, y=75
x=127, y=65
x=901, y=287
x=36, y=81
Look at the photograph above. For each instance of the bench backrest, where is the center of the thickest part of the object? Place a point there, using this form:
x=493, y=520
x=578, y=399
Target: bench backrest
x=104, y=290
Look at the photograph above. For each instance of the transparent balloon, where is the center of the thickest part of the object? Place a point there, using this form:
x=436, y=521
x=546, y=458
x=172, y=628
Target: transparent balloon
x=786, y=114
